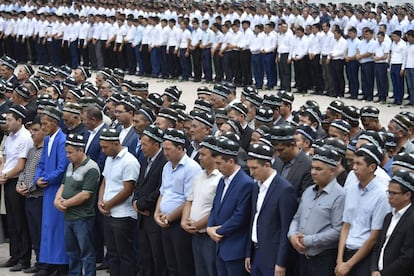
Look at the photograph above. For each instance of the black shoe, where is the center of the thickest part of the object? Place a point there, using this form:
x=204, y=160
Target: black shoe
x=42, y=272
x=9, y=263
x=31, y=270
x=102, y=266
x=19, y=267
x=409, y=104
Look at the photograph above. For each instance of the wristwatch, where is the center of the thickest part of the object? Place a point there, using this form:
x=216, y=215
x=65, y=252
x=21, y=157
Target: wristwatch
x=166, y=220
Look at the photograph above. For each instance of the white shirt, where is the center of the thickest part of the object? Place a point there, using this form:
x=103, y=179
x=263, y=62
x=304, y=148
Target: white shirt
x=146, y=34
x=300, y=47
x=269, y=42
x=380, y=51
x=398, y=52
x=339, y=49
x=263, y=188
x=184, y=38
x=396, y=216
x=196, y=37
x=227, y=181
x=284, y=42
x=51, y=140
x=327, y=41
x=409, y=57
x=92, y=135
x=315, y=43
x=123, y=133
x=16, y=147
x=174, y=37
x=256, y=44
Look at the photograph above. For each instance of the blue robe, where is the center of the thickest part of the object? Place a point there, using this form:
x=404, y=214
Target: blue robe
x=52, y=169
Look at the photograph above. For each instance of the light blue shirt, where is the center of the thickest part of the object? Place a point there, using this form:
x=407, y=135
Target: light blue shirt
x=353, y=46
x=365, y=210
x=176, y=183
x=138, y=35
x=207, y=37
x=367, y=47
x=117, y=170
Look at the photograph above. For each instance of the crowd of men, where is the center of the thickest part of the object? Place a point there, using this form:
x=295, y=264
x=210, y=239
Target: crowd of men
x=240, y=43
x=243, y=183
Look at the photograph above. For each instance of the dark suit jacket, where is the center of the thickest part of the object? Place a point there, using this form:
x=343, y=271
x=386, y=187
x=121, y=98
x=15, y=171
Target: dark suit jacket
x=399, y=252
x=278, y=208
x=246, y=137
x=299, y=174
x=95, y=151
x=233, y=214
x=130, y=141
x=147, y=188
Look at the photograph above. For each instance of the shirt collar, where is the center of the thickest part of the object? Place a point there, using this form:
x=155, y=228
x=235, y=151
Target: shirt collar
x=54, y=135
x=121, y=153
x=230, y=178
x=369, y=187
x=96, y=129
x=401, y=212
x=265, y=185
x=215, y=172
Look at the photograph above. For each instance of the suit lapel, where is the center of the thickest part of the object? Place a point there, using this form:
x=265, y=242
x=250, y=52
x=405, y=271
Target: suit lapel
x=400, y=222
x=271, y=189
x=231, y=186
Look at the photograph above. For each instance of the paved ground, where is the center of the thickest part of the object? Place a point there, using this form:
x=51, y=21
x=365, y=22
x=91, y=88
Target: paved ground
x=188, y=97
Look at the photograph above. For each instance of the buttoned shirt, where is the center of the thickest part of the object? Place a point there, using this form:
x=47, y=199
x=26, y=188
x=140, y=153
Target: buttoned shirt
x=28, y=174
x=202, y=194
x=365, y=210
x=327, y=42
x=315, y=43
x=119, y=169
x=124, y=133
x=164, y=36
x=257, y=43
x=398, y=52
x=217, y=39
x=300, y=47
x=353, y=45
x=263, y=188
x=396, y=216
x=196, y=37
x=339, y=49
x=184, y=38
x=409, y=57
x=367, y=46
x=176, y=183
x=269, y=42
x=380, y=51
x=83, y=32
x=319, y=217
x=174, y=37
x=139, y=31
x=284, y=42
x=247, y=38
x=207, y=37
x=16, y=147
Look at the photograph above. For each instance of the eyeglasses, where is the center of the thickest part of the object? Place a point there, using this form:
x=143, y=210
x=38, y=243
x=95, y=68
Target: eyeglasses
x=392, y=193
x=119, y=111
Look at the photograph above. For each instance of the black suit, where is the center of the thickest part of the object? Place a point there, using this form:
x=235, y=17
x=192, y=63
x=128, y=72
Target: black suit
x=399, y=252
x=246, y=137
x=299, y=174
x=149, y=233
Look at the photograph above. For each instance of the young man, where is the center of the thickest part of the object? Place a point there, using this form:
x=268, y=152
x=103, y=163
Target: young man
x=76, y=199
x=197, y=210
x=16, y=150
x=274, y=204
x=120, y=173
x=323, y=204
x=228, y=224
x=364, y=212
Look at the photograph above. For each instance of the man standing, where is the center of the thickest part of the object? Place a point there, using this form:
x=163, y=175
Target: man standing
x=177, y=177
x=364, y=212
x=49, y=175
x=145, y=198
x=365, y=52
x=197, y=210
x=228, y=224
x=394, y=251
x=274, y=204
x=408, y=65
x=16, y=150
x=76, y=199
x=115, y=203
x=323, y=204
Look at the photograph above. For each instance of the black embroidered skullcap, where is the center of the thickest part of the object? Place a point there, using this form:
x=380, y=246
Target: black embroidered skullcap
x=70, y=82
x=19, y=110
x=390, y=141
x=264, y=114
x=372, y=151
x=308, y=132
x=109, y=134
x=260, y=151
x=272, y=101
x=250, y=89
x=351, y=113
x=282, y=133
x=202, y=105
x=85, y=71
x=29, y=69
x=402, y=121
x=154, y=100
x=372, y=137
x=205, y=118
x=336, y=144
x=22, y=91
x=405, y=160
x=404, y=178
x=203, y=90
x=235, y=126
x=209, y=142
x=116, y=98
x=76, y=92
x=52, y=112
x=342, y=125
x=140, y=86
x=118, y=73
x=147, y=113
x=154, y=132
x=254, y=99
x=220, y=90
x=64, y=70
x=178, y=105
x=9, y=62
x=221, y=113
x=168, y=113
x=175, y=135
x=239, y=107
x=232, y=136
x=226, y=146
x=173, y=92
x=113, y=82
x=287, y=97
x=75, y=140
x=326, y=155
x=262, y=130
x=73, y=108
x=92, y=90
x=336, y=106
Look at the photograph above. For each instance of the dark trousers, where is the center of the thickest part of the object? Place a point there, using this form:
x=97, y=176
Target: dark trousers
x=92, y=55
x=98, y=230
x=138, y=58
x=397, y=83
x=204, y=251
x=196, y=61
x=109, y=57
x=338, y=81
x=119, y=239
x=321, y=265
x=327, y=75
x=42, y=55
x=151, y=255
x=99, y=52
x=177, y=248
x=185, y=64
x=145, y=54
x=57, y=51
x=20, y=244
x=173, y=63
x=31, y=46
x=132, y=62
x=74, y=54
x=230, y=268
x=301, y=69
x=9, y=46
x=258, y=70
x=155, y=61
x=381, y=78
x=409, y=73
x=285, y=73
x=235, y=66
x=362, y=268
x=246, y=67
x=316, y=74
x=258, y=267
x=227, y=67
x=79, y=246
x=83, y=52
x=367, y=79
x=120, y=56
x=33, y=210
x=352, y=70
x=270, y=69
x=163, y=61
x=21, y=50
x=206, y=62
x=66, y=53
x=218, y=67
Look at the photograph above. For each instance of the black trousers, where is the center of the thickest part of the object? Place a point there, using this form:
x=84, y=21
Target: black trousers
x=301, y=73
x=83, y=52
x=119, y=239
x=362, y=268
x=177, y=246
x=218, y=67
x=235, y=66
x=33, y=207
x=66, y=53
x=151, y=254
x=20, y=244
x=246, y=67
x=196, y=60
x=174, y=68
x=9, y=46
x=338, y=81
x=31, y=46
x=92, y=56
x=119, y=55
x=285, y=73
x=21, y=49
x=316, y=73
x=146, y=59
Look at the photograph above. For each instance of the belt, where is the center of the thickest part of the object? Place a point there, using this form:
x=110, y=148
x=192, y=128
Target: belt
x=255, y=52
x=323, y=253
